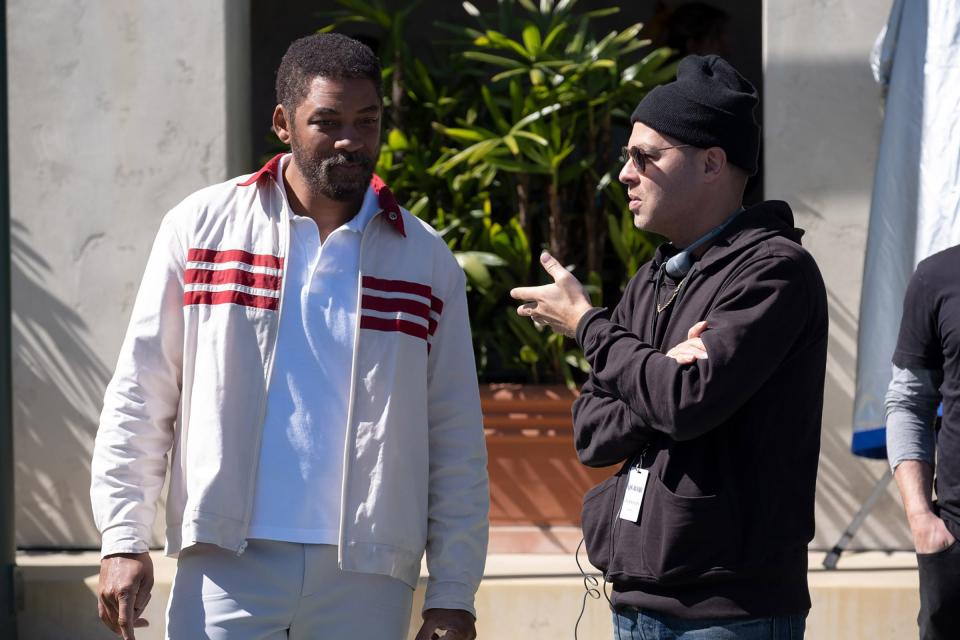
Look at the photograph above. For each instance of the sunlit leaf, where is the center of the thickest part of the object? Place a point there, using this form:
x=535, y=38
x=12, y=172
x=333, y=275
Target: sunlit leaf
x=531, y=39
x=499, y=61
x=397, y=140
x=536, y=115
x=476, y=271
x=508, y=74
x=553, y=35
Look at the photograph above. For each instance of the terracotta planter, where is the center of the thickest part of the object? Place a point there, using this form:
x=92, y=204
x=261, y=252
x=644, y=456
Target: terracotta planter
x=536, y=481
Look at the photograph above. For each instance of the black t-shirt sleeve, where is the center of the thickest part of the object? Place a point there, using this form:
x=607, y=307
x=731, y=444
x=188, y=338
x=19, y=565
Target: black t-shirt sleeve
x=918, y=345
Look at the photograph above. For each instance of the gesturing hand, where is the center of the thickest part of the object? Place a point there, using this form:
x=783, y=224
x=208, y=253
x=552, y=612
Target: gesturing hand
x=559, y=305
x=447, y=624
x=691, y=349
x=124, y=591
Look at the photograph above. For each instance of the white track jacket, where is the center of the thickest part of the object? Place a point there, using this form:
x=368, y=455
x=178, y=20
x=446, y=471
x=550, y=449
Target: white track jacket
x=192, y=378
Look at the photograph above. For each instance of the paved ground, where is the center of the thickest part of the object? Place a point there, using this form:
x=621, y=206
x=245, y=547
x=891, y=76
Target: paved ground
x=872, y=595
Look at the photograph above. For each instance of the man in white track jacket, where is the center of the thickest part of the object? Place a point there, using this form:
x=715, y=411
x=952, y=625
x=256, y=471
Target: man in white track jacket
x=299, y=354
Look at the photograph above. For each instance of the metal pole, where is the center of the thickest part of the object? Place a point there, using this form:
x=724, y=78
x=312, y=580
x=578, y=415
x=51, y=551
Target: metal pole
x=830, y=562
x=8, y=551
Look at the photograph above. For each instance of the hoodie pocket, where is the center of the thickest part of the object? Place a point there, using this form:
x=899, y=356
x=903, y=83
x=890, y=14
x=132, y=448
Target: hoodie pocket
x=597, y=520
x=687, y=535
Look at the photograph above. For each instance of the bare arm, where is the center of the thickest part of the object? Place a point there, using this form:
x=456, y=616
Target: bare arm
x=911, y=403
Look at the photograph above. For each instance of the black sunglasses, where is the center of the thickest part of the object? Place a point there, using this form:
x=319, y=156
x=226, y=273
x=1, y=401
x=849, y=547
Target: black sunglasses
x=640, y=157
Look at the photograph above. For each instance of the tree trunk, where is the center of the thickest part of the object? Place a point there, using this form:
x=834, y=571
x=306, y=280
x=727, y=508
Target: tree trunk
x=396, y=89
x=596, y=222
x=526, y=223
x=523, y=200
x=558, y=230
x=589, y=201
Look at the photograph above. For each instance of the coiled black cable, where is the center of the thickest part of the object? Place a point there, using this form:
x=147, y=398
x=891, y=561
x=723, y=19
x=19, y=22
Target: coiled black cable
x=590, y=590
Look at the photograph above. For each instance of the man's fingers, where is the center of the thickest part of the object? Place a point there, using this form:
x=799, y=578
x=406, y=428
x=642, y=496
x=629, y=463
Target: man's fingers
x=696, y=345
x=425, y=632
x=107, y=616
x=696, y=330
x=109, y=612
x=455, y=633
x=529, y=293
x=688, y=351
x=143, y=597
x=682, y=358
x=127, y=616
x=527, y=309
x=553, y=267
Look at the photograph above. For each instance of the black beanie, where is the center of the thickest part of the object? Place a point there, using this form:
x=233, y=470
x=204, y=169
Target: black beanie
x=709, y=105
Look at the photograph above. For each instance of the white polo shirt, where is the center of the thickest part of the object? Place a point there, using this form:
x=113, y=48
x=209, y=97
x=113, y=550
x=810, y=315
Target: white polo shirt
x=300, y=473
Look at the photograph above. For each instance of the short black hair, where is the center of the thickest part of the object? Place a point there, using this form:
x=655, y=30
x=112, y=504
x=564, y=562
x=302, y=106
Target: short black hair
x=327, y=55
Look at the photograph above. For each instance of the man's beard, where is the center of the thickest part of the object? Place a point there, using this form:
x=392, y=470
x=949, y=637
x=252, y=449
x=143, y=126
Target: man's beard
x=322, y=179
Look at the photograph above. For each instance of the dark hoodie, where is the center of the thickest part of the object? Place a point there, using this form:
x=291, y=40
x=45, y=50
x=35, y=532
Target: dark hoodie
x=731, y=441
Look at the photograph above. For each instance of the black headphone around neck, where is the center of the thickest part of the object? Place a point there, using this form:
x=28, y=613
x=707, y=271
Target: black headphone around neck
x=679, y=265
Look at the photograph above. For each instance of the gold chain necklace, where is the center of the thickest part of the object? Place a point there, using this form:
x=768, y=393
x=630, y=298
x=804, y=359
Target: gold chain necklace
x=673, y=296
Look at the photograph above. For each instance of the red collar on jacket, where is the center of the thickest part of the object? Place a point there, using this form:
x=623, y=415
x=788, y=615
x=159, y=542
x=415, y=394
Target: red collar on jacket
x=388, y=202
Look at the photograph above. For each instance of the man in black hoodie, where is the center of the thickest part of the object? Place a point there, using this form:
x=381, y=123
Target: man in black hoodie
x=706, y=383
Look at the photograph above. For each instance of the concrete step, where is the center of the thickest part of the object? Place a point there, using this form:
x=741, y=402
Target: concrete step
x=870, y=596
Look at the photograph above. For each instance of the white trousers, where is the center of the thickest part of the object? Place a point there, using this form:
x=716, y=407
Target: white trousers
x=279, y=590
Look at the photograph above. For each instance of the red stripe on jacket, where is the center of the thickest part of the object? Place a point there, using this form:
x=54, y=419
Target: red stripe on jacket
x=230, y=297
x=235, y=255
x=394, y=324
x=232, y=276
x=404, y=305
x=397, y=286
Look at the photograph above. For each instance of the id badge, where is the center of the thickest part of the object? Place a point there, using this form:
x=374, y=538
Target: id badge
x=633, y=498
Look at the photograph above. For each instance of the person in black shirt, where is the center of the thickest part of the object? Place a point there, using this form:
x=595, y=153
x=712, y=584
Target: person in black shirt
x=926, y=369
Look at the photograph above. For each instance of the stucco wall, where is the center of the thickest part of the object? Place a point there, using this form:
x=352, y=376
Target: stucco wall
x=117, y=111
x=822, y=128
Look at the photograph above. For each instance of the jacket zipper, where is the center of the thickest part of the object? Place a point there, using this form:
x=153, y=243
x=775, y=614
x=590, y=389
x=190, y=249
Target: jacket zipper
x=349, y=435
x=271, y=357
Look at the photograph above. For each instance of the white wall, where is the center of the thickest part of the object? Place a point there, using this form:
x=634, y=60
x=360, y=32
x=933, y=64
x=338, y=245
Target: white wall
x=118, y=110
x=822, y=128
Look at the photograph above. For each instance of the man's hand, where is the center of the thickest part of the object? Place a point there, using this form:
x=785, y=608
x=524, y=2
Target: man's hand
x=124, y=591
x=448, y=624
x=692, y=349
x=930, y=534
x=915, y=481
x=559, y=305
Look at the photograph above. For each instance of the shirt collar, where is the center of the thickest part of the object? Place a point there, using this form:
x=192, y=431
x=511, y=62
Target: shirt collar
x=369, y=208
x=378, y=199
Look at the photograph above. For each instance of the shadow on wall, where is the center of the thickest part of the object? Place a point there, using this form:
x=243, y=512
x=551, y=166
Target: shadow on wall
x=58, y=391
x=844, y=480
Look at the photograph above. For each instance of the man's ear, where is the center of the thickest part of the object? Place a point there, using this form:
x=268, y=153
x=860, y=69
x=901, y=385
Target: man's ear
x=714, y=161
x=282, y=124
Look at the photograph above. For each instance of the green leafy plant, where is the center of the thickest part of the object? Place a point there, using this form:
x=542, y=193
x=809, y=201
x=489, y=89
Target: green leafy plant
x=507, y=141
